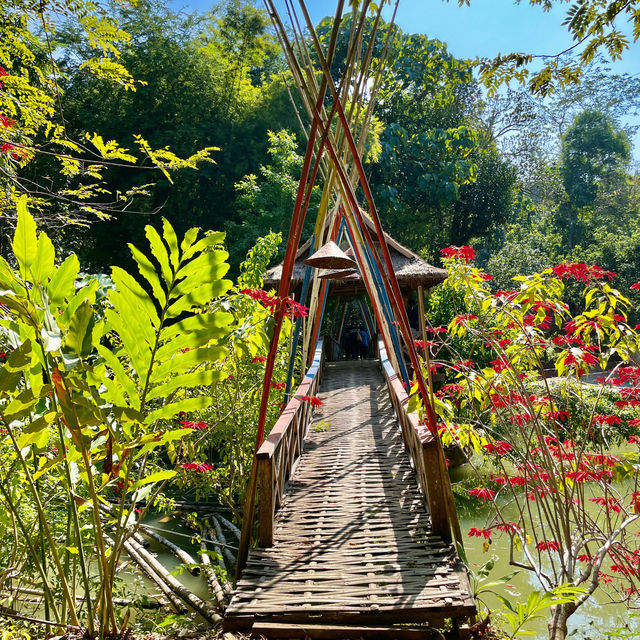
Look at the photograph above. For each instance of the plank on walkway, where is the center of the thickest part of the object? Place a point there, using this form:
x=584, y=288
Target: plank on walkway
x=352, y=540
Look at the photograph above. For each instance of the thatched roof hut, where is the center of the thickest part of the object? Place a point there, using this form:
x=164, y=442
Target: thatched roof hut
x=411, y=270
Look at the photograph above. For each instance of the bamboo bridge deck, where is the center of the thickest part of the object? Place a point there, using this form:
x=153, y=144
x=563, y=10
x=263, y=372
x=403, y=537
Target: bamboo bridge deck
x=352, y=539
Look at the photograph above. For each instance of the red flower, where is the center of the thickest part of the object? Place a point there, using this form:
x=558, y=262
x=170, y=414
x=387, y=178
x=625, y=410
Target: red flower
x=548, y=545
x=500, y=447
x=3, y=72
x=634, y=423
x=277, y=385
x=610, y=504
x=7, y=122
x=581, y=272
x=465, y=253
x=314, y=401
x=479, y=533
x=188, y=424
x=418, y=344
x=437, y=329
x=452, y=389
x=583, y=557
x=466, y=317
x=610, y=420
x=508, y=527
x=500, y=364
x=198, y=467
x=482, y=493
x=506, y=294
x=636, y=286
x=259, y=359
x=634, y=439
x=486, y=276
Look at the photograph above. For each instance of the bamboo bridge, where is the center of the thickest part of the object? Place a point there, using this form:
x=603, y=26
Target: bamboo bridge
x=354, y=536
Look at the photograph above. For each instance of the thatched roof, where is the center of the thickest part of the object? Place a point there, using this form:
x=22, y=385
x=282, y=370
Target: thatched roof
x=411, y=270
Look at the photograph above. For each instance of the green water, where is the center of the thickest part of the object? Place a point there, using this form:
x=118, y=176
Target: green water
x=598, y=619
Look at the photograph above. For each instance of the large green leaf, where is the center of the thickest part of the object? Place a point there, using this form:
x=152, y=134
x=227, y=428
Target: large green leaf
x=136, y=295
x=216, y=323
x=158, y=476
x=86, y=294
x=201, y=377
x=44, y=264
x=148, y=272
x=207, y=267
x=120, y=375
x=173, y=409
x=198, y=297
x=172, y=242
x=61, y=285
x=183, y=361
x=210, y=240
x=79, y=338
x=137, y=352
x=25, y=240
x=188, y=240
x=159, y=253
x=36, y=433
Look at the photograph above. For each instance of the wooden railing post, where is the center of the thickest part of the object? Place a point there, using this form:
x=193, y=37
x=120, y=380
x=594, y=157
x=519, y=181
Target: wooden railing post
x=436, y=490
x=266, y=502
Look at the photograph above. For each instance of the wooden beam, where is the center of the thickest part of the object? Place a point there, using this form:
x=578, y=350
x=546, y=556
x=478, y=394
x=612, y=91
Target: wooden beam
x=330, y=632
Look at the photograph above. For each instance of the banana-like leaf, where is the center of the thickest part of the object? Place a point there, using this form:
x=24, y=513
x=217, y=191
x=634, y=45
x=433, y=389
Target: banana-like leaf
x=61, y=283
x=44, y=264
x=173, y=409
x=148, y=272
x=201, y=377
x=160, y=254
x=86, y=294
x=79, y=338
x=25, y=239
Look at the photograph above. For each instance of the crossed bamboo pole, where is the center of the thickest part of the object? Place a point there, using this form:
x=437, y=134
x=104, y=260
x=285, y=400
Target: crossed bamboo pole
x=336, y=155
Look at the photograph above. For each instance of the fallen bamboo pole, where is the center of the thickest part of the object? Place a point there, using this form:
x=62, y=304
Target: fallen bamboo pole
x=189, y=561
x=191, y=599
x=212, y=580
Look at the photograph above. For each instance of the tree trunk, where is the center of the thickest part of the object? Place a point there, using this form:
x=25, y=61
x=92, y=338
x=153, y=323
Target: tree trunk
x=558, y=624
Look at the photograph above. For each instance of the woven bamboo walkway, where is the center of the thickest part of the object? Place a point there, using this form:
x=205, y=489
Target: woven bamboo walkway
x=352, y=542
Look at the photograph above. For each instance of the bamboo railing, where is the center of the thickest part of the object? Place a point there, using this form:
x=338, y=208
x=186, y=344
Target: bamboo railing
x=423, y=451
x=280, y=451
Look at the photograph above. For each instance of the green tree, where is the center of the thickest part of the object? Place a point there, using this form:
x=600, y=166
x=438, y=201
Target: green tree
x=265, y=202
x=64, y=173
x=593, y=160
x=196, y=93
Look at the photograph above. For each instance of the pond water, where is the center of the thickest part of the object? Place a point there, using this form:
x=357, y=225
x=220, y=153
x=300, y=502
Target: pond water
x=597, y=619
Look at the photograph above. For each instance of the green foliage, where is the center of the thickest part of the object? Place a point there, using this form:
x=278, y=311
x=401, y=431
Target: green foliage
x=265, y=202
x=594, y=155
x=35, y=132
x=102, y=389
x=254, y=268
x=209, y=79
x=593, y=25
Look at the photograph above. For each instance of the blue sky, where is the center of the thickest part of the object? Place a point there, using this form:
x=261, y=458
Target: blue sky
x=483, y=29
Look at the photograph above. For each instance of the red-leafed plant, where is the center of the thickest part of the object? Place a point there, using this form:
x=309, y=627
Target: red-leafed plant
x=540, y=416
